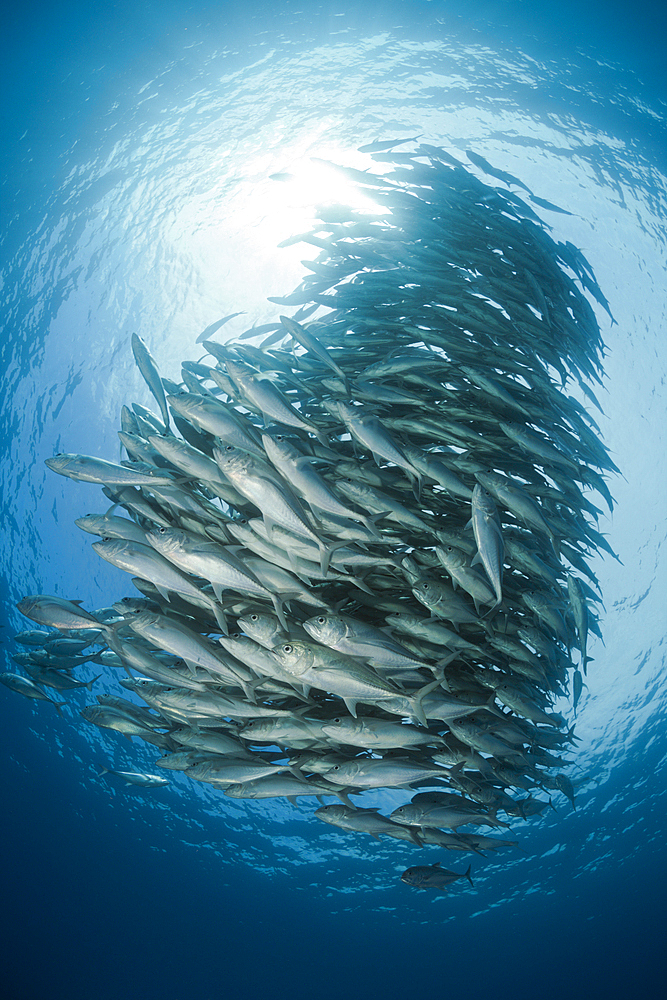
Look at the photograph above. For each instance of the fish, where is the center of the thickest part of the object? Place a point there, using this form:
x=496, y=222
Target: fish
x=381, y=145
x=214, y=327
x=579, y=609
x=487, y=529
x=137, y=778
x=57, y=613
x=271, y=495
x=28, y=688
x=149, y=370
x=312, y=344
x=299, y=508
x=88, y=469
x=502, y=175
x=365, y=821
x=357, y=638
x=214, y=562
x=433, y=876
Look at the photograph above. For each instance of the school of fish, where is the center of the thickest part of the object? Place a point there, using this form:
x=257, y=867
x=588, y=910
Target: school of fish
x=362, y=544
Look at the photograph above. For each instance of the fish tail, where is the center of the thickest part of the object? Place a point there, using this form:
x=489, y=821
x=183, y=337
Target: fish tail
x=467, y=875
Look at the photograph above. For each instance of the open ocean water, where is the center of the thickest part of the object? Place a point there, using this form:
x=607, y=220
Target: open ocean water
x=137, y=146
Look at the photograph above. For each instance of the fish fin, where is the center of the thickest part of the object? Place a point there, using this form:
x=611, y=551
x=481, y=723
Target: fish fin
x=220, y=618
x=105, y=770
x=467, y=875
x=327, y=549
x=249, y=688
x=279, y=610
x=359, y=582
x=89, y=685
x=418, y=711
x=369, y=523
x=351, y=705
x=493, y=708
x=303, y=461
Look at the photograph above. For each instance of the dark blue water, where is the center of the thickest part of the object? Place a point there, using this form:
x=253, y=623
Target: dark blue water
x=138, y=141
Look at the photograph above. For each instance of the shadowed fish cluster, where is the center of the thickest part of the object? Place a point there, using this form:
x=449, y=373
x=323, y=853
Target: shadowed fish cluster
x=363, y=544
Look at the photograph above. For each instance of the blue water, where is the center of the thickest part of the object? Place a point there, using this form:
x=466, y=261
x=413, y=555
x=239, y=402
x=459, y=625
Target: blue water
x=138, y=141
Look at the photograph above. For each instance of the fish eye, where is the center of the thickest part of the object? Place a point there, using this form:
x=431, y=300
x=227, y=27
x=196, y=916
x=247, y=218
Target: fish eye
x=162, y=531
x=229, y=447
x=321, y=620
x=287, y=648
x=234, y=635
x=254, y=618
